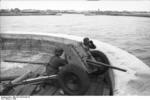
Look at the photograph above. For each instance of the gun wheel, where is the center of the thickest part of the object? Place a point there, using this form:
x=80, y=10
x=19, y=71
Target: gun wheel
x=73, y=80
x=101, y=57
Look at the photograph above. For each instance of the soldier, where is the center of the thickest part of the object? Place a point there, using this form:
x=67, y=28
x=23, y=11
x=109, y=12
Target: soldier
x=88, y=43
x=55, y=62
x=53, y=67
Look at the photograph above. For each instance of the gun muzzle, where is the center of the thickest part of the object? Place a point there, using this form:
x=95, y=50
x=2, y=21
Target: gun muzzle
x=100, y=64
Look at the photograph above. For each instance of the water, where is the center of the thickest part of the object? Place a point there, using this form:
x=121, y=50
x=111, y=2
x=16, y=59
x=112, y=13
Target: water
x=129, y=33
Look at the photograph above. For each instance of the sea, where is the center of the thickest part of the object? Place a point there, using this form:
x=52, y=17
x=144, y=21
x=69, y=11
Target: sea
x=131, y=34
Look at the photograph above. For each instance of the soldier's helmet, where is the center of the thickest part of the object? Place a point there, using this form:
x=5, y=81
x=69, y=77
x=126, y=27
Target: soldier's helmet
x=58, y=51
x=86, y=41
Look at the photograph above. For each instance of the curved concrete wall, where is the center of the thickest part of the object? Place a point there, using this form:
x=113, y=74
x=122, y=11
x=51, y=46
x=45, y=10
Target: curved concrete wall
x=12, y=45
x=31, y=42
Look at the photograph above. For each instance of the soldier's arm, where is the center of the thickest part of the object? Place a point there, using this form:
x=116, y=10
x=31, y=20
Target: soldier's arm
x=63, y=61
x=92, y=45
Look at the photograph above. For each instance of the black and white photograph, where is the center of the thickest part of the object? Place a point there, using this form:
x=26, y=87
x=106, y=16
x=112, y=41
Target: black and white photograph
x=74, y=48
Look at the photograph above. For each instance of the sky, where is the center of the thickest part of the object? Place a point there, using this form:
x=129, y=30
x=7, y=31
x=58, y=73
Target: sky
x=117, y=5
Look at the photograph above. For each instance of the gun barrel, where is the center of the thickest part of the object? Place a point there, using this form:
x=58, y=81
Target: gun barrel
x=34, y=80
x=28, y=81
x=38, y=79
x=28, y=62
x=98, y=64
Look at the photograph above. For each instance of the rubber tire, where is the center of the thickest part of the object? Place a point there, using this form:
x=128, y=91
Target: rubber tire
x=101, y=57
x=80, y=73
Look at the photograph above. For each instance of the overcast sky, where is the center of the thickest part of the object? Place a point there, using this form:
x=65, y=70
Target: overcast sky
x=130, y=5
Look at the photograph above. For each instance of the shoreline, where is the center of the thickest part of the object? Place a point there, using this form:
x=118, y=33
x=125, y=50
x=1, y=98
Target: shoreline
x=85, y=13
x=148, y=16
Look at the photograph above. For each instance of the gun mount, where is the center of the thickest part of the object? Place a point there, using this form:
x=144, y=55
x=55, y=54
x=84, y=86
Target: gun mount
x=78, y=55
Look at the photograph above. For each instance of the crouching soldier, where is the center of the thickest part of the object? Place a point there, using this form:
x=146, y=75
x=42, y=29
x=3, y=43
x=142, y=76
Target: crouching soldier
x=53, y=67
x=88, y=43
x=55, y=62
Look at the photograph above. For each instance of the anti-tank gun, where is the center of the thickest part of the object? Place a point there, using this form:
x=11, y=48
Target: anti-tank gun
x=81, y=63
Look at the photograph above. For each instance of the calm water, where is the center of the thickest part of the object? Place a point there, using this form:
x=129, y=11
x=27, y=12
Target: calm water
x=129, y=33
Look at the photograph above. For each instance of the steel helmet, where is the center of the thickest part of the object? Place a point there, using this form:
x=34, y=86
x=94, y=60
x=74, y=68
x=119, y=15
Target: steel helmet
x=86, y=41
x=58, y=50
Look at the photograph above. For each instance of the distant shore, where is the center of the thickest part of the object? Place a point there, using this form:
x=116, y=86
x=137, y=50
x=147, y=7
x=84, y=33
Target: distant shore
x=32, y=12
x=28, y=14
x=116, y=13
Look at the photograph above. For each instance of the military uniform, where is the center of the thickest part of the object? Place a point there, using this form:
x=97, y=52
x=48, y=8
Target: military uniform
x=88, y=43
x=54, y=64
